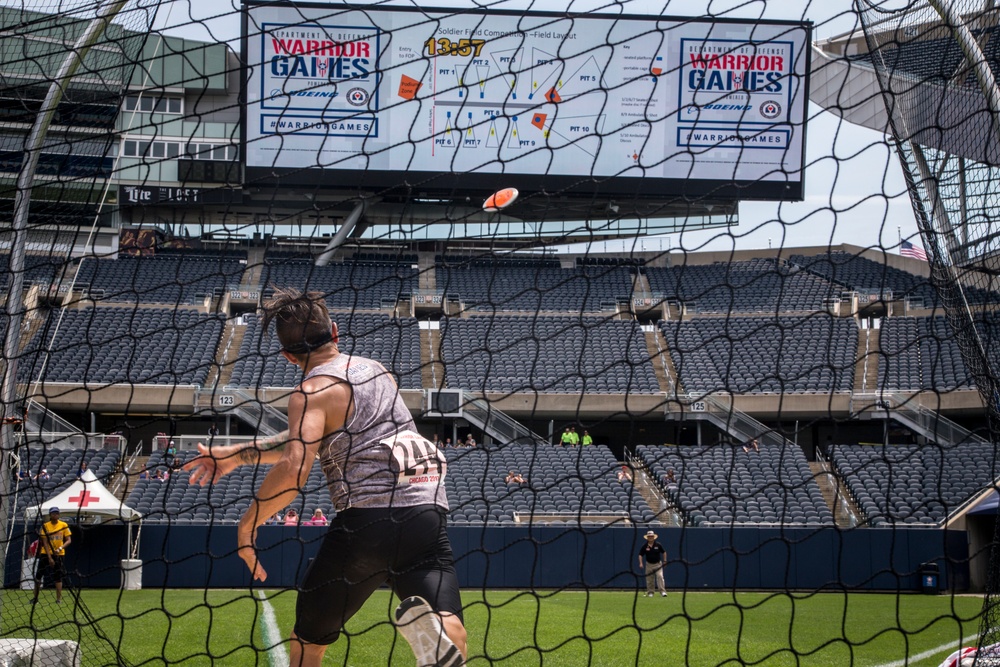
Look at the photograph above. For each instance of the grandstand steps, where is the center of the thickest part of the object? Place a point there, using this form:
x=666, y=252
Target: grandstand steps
x=234, y=334
x=431, y=368
x=255, y=266
x=663, y=365
x=866, y=366
x=650, y=492
x=426, y=275
x=834, y=493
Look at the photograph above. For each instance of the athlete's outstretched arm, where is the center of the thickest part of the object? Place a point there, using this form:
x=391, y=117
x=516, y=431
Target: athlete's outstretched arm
x=320, y=406
x=215, y=461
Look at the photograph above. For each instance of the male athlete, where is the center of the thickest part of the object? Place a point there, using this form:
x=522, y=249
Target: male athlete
x=53, y=538
x=386, y=483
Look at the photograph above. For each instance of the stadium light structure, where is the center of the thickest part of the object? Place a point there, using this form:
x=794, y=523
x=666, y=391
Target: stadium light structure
x=22, y=203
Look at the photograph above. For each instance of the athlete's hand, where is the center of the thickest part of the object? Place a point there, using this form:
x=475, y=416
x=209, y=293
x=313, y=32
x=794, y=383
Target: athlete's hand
x=211, y=464
x=246, y=538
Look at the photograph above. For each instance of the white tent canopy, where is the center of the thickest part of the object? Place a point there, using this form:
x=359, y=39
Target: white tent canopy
x=85, y=496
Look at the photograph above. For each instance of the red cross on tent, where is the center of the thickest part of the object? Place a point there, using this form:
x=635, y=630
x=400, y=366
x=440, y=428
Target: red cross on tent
x=84, y=499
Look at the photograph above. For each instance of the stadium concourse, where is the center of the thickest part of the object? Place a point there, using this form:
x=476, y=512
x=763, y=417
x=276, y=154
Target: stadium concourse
x=833, y=360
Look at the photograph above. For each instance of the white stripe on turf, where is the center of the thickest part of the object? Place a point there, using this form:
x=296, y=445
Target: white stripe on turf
x=276, y=655
x=949, y=647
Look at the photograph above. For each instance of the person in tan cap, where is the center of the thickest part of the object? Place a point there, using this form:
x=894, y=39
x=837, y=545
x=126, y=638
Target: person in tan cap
x=652, y=559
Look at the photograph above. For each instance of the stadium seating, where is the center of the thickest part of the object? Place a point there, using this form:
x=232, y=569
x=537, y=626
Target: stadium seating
x=348, y=286
x=395, y=342
x=722, y=484
x=570, y=484
x=124, y=345
x=933, y=60
x=854, y=272
x=507, y=353
x=912, y=484
x=62, y=466
x=37, y=268
x=169, y=277
x=754, y=286
x=533, y=285
x=223, y=502
x=923, y=354
x=747, y=355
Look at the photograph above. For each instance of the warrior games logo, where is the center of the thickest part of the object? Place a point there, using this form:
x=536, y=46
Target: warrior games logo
x=735, y=82
x=309, y=65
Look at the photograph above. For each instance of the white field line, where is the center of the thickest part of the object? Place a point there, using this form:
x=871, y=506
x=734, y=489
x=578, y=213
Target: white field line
x=277, y=655
x=913, y=659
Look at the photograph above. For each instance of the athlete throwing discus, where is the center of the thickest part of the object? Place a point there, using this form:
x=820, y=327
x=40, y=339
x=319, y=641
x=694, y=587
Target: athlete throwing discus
x=386, y=483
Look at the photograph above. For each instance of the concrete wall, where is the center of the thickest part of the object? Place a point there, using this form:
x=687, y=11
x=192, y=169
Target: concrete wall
x=553, y=557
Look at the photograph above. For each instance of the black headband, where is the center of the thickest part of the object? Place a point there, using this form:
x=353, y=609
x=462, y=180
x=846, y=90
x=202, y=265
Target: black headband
x=307, y=346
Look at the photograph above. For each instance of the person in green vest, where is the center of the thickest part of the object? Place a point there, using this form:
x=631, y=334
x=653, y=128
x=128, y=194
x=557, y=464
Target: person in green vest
x=566, y=439
x=587, y=440
x=574, y=437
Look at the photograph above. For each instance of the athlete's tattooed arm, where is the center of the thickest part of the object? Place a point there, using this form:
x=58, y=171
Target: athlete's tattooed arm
x=216, y=461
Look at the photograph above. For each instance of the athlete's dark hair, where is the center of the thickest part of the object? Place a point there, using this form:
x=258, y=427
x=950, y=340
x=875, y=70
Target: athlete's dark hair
x=301, y=320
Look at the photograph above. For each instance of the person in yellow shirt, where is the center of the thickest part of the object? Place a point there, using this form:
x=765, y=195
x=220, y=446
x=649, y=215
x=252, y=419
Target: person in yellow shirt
x=53, y=538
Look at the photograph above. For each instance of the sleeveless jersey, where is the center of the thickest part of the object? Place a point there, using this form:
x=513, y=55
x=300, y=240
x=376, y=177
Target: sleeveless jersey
x=378, y=459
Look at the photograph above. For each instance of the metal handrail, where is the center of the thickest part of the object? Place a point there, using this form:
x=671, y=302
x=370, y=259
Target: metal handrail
x=496, y=422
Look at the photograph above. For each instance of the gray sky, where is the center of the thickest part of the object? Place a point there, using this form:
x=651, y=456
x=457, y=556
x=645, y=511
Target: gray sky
x=854, y=186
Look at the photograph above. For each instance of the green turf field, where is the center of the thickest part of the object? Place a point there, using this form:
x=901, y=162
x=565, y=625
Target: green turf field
x=227, y=627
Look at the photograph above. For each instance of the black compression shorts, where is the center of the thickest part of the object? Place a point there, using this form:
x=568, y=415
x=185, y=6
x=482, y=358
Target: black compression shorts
x=54, y=571
x=407, y=547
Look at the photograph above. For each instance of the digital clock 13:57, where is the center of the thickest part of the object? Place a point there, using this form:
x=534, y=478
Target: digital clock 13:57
x=443, y=46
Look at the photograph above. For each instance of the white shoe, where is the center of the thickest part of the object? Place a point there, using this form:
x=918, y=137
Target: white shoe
x=649, y=595
x=664, y=594
x=423, y=630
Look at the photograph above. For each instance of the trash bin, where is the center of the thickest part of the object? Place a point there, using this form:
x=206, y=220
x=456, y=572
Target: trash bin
x=929, y=576
x=131, y=574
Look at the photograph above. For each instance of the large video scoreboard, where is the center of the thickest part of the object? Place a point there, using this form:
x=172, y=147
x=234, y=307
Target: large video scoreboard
x=457, y=101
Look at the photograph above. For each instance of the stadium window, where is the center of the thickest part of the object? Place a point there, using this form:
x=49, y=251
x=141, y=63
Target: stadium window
x=151, y=104
x=217, y=152
x=155, y=149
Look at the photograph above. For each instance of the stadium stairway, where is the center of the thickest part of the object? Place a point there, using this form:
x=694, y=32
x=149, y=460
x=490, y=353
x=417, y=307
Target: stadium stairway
x=663, y=365
x=866, y=367
x=255, y=267
x=661, y=506
x=431, y=369
x=845, y=512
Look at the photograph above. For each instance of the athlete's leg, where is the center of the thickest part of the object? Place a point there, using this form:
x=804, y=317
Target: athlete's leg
x=304, y=654
x=425, y=570
x=455, y=630
x=344, y=574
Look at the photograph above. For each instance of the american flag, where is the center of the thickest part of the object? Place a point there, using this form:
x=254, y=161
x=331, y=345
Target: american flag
x=907, y=249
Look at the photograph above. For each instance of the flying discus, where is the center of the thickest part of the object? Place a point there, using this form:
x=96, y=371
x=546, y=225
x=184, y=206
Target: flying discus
x=500, y=200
